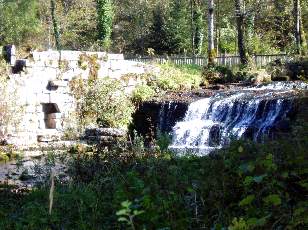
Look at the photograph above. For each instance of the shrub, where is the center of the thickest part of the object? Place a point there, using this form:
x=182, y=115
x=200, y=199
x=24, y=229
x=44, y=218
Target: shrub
x=102, y=102
x=219, y=75
x=173, y=77
x=296, y=69
x=245, y=186
x=142, y=93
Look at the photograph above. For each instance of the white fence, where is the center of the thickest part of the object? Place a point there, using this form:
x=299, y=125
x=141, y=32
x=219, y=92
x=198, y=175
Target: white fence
x=259, y=60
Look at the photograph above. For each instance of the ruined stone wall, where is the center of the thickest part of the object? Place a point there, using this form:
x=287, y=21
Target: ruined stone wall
x=42, y=83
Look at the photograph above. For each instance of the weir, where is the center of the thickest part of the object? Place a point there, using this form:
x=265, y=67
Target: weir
x=255, y=113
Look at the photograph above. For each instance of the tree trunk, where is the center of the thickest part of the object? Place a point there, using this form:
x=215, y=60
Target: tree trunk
x=297, y=26
x=55, y=24
x=300, y=39
x=217, y=26
x=240, y=22
x=211, y=46
x=193, y=30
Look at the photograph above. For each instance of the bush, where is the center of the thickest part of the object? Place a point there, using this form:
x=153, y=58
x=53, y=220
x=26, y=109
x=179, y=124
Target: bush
x=245, y=186
x=292, y=70
x=142, y=93
x=173, y=77
x=298, y=69
x=219, y=75
x=102, y=102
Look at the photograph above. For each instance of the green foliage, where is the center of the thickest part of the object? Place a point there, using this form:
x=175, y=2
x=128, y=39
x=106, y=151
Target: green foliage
x=55, y=24
x=78, y=25
x=105, y=20
x=219, y=75
x=245, y=186
x=127, y=213
x=102, y=101
x=172, y=77
x=106, y=103
x=4, y=157
x=198, y=28
x=142, y=93
x=227, y=37
x=261, y=45
x=19, y=22
x=163, y=141
x=297, y=69
x=238, y=224
x=178, y=29
x=168, y=26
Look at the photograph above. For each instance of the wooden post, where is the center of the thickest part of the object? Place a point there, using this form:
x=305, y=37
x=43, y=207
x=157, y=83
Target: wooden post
x=224, y=59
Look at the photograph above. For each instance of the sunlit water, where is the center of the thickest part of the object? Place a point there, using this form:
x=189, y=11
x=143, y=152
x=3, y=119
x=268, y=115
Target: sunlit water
x=253, y=113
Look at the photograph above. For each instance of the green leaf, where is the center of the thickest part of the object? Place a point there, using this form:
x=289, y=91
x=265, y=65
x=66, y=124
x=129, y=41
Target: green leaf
x=248, y=180
x=252, y=221
x=122, y=219
x=122, y=212
x=273, y=199
x=247, y=200
x=190, y=190
x=137, y=212
x=126, y=204
x=257, y=222
x=261, y=221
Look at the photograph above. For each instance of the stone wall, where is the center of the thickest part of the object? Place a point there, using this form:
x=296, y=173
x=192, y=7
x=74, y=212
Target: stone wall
x=42, y=81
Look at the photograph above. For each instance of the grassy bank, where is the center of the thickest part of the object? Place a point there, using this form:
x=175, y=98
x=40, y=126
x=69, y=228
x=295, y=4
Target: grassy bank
x=246, y=186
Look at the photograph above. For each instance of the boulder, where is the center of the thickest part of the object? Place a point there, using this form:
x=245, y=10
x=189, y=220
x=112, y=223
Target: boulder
x=111, y=132
x=260, y=76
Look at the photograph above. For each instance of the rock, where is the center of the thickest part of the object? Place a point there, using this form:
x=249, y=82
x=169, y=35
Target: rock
x=280, y=75
x=261, y=76
x=204, y=83
x=282, y=126
x=212, y=77
x=112, y=132
x=215, y=136
x=48, y=138
x=58, y=83
x=217, y=87
x=19, y=66
x=100, y=139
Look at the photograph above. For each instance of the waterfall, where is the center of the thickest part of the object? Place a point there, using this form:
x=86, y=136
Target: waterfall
x=252, y=113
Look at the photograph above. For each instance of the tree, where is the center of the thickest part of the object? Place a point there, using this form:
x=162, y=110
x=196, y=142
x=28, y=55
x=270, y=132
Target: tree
x=105, y=21
x=158, y=38
x=211, y=46
x=19, y=22
x=301, y=44
x=55, y=24
x=198, y=27
x=240, y=22
x=178, y=26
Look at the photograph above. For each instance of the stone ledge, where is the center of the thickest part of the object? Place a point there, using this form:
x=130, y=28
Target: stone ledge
x=111, y=132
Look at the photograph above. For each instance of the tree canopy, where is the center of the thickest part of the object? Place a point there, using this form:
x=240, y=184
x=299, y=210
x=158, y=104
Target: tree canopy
x=168, y=27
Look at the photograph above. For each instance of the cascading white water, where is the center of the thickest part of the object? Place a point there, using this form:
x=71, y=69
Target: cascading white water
x=211, y=123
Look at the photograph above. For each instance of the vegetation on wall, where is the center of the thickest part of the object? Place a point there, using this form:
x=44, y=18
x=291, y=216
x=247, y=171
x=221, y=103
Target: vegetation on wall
x=105, y=21
x=102, y=102
x=10, y=111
